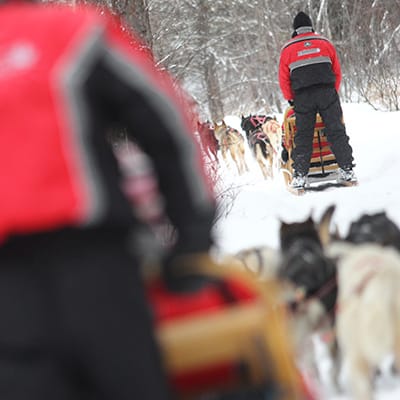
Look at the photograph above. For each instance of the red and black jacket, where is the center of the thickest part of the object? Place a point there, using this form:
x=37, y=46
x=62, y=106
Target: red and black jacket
x=308, y=60
x=66, y=78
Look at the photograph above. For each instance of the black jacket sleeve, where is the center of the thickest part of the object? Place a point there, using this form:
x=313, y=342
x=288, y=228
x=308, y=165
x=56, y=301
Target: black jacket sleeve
x=127, y=97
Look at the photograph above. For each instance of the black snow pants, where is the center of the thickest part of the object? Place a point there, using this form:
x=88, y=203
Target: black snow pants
x=307, y=104
x=74, y=321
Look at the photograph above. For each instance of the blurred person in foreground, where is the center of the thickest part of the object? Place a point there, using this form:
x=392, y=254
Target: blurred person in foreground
x=74, y=318
x=309, y=77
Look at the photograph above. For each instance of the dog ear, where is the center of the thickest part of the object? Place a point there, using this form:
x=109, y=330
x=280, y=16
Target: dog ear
x=324, y=225
x=310, y=219
x=283, y=224
x=309, y=223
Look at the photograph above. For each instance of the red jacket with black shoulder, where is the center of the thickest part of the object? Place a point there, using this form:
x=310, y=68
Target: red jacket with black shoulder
x=67, y=77
x=308, y=59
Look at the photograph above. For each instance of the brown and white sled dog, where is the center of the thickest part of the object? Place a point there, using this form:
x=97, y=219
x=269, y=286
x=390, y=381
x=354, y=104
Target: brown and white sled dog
x=231, y=141
x=273, y=130
x=368, y=312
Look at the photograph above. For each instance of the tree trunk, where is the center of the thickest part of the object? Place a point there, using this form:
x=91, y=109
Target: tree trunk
x=215, y=104
x=136, y=15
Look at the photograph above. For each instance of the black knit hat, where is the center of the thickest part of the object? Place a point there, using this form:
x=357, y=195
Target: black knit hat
x=301, y=19
x=302, y=24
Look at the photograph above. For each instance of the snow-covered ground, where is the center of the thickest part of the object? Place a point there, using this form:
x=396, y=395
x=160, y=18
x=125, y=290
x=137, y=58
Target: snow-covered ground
x=259, y=205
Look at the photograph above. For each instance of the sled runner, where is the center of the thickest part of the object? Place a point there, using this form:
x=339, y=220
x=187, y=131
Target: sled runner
x=228, y=336
x=324, y=170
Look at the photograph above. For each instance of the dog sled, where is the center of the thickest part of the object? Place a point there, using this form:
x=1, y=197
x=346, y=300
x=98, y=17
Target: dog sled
x=227, y=338
x=324, y=169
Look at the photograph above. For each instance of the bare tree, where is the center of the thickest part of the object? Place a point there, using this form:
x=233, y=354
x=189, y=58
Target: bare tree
x=137, y=16
x=226, y=53
x=208, y=62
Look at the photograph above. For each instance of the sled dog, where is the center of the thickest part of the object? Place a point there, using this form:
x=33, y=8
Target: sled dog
x=368, y=300
x=230, y=140
x=311, y=289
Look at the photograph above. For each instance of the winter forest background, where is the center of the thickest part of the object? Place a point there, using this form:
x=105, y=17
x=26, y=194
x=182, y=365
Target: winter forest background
x=225, y=53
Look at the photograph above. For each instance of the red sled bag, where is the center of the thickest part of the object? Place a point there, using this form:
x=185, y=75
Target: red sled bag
x=229, y=335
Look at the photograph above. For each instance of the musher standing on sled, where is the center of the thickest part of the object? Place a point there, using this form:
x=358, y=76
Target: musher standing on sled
x=309, y=77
